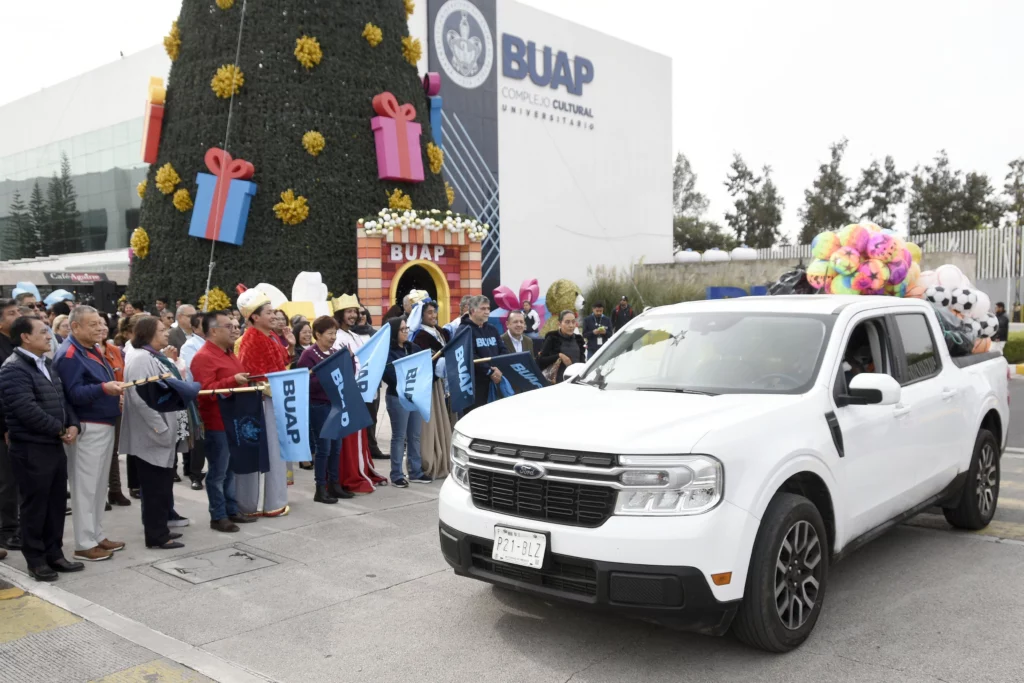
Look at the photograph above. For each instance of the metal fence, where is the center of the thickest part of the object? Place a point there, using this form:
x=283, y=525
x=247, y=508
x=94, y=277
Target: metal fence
x=998, y=249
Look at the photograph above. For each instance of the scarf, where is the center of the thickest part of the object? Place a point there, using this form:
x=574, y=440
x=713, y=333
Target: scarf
x=195, y=424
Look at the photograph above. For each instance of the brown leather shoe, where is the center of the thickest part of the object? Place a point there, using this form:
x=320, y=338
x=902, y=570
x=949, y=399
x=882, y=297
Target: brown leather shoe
x=118, y=498
x=3, y=553
x=96, y=554
x=112, y=546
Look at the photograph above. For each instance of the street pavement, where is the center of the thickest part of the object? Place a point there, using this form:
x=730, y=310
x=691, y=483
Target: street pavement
x=359, y=592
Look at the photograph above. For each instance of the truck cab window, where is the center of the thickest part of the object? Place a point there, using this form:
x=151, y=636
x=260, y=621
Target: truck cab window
x=866, y=351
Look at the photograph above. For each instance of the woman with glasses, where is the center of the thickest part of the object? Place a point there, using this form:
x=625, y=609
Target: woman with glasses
x=562, y=346
x=406, y=425
x=436, y=439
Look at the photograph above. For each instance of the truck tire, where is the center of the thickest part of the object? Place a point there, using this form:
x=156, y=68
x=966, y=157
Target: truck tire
x=980, y=495
x=788, y=574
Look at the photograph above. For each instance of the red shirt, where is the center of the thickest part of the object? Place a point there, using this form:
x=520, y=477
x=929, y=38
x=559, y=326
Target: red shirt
x=214, y=368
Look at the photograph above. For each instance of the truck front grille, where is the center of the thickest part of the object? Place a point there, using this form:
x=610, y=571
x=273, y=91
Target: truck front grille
x=551, y=501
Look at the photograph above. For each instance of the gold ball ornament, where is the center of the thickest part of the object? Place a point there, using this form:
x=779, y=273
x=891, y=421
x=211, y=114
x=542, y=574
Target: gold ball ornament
x=399, y=200
x=410, y=7
x=228, y=80
x=291, y=210
x=172, y=41
x=141, y=189
x=436, y=158
x=218, y=300
x=412, y=50
x=140, y=242
x=182, y=200
x=225, y=4
x=308, y=52
x=167, y=178
x=314, y=142
x=373, y=35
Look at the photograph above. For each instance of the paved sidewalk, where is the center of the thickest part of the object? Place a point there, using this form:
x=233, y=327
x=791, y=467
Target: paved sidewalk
x=39, y=641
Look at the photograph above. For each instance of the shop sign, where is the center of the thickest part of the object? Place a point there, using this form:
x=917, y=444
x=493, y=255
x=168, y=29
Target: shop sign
x=68, y=278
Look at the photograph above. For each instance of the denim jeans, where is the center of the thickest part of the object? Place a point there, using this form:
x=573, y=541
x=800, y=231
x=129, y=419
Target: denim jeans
x=406, y=426
x=220, y=480
x=328, y=451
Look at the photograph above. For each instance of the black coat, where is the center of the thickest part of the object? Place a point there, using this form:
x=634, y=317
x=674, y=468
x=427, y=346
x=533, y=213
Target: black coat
x=34, y=407
x=552, y=347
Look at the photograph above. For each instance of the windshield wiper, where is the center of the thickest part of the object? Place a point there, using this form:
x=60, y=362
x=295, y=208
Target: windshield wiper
x=678, y=390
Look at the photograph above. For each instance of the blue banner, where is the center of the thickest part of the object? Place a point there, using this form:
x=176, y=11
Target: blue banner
x=458, y=361
x=290, y=393
x=521, y=370
x=348, y=411
x=246, y=432
x=415, y=321
x=372, y=357
x=415, y=376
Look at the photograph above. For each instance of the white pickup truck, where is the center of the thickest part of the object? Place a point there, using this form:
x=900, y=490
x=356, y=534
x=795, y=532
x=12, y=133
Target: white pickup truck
x=714, y=458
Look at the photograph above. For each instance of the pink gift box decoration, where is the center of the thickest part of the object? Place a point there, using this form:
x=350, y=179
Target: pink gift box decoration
x=397, y=137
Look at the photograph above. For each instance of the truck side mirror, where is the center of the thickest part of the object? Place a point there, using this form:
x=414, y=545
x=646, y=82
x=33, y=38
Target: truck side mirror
x=870, y=388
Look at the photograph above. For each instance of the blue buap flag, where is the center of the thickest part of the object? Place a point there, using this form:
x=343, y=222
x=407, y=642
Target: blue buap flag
x=372, y=357
x=290, y=394
x=348, y=410
x=521, y=370
x=415, y=321
x=246, y=432
x=458, y=361
x=415, y=375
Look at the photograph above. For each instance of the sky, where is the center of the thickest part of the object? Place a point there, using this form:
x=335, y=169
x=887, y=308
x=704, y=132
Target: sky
x=776, y=81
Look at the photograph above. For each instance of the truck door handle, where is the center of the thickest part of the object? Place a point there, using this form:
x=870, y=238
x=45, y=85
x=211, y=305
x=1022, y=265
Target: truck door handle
x=948, y=394
x=900, y=411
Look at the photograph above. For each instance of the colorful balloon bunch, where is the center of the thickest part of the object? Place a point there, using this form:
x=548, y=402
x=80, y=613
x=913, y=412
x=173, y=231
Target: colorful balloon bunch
x=862, y=258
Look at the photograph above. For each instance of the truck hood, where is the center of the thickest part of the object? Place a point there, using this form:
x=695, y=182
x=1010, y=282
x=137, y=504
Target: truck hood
x=577, y=417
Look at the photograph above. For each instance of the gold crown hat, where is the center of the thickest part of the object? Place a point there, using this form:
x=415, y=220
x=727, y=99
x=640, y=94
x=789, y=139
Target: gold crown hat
x=418, y=295
x=250, y=301
x=345, y=301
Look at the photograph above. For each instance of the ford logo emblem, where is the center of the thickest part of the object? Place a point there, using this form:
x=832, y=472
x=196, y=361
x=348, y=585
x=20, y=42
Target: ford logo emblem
x=528, y=470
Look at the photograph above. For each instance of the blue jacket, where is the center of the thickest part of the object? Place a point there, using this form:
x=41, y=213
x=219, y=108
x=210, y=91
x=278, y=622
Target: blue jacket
x=487, y=343
x=34, y=407
x=389, y=370
x=83, y=373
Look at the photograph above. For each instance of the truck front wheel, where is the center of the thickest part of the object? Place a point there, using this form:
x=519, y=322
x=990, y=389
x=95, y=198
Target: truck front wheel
x=978, y=501
x=788, y=573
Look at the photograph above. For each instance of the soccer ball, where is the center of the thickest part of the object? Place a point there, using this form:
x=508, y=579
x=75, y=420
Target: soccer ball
x=987, y=326
x=963, y=300
x=938, y=295
x=975, y=327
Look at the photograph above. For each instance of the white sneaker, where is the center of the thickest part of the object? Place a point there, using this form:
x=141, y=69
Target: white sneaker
x=184, y=521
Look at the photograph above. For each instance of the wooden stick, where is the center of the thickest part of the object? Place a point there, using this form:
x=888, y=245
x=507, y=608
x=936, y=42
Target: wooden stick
x=155, y=378
x=258, y=387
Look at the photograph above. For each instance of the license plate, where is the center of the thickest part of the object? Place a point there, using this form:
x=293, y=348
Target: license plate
x=515, y=546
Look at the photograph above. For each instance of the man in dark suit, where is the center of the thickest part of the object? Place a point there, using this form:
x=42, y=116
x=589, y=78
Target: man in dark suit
x=595, y=328
x=515, y=338
x=40, y=422
x=183, y=331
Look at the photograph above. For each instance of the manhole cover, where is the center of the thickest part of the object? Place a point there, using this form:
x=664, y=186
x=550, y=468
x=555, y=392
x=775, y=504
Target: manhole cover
x=216, y=564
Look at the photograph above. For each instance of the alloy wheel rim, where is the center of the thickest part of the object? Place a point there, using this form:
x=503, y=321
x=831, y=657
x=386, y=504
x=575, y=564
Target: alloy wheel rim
x=987, y=481
x=798, y=577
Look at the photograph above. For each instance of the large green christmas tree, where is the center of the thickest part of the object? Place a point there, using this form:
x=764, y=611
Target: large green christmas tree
x=280, y=100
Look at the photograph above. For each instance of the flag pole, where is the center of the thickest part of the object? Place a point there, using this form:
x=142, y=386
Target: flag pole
x=147, y=380
x=233, y=390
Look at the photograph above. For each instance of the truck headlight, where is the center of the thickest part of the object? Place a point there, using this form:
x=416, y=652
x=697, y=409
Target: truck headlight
x=460, y=460
x=669, y=485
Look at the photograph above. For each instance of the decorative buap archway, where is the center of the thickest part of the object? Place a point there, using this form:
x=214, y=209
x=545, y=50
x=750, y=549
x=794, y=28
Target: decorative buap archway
x=451, y=258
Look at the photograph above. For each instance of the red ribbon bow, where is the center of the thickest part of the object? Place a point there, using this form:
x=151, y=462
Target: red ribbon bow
x=226, y=169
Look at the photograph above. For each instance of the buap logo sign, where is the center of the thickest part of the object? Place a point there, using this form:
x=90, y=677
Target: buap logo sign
x=463, y=43
x=545, y=68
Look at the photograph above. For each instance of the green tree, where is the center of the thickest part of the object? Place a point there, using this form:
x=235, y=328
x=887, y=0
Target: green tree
x=827, y=204
x=944, y=199
x=689, y=229
x=1014, y=191
x=757, y=205
x=881, y=191
x=21, y=239
x=39, y=215
x=65, y=226
x=279, y=101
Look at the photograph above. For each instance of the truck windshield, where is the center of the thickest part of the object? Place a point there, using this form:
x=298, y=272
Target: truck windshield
x=713, y=353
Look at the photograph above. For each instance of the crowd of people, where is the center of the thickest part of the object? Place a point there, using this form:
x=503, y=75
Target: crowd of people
x=68, y=410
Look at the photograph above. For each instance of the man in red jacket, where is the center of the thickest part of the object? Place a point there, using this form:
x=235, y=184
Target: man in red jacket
x=215, y=367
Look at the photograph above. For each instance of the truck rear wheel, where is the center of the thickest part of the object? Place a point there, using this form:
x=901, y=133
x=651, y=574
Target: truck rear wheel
x=981, y=491
x=788, y=573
